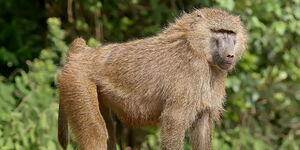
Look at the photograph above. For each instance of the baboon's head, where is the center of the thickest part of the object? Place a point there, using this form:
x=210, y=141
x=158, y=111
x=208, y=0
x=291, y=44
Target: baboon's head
x=219, y=35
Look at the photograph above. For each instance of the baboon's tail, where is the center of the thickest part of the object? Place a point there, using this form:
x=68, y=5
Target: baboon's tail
x=75, y=48
x=62, y=128
x=62, y=125
x=79, y=106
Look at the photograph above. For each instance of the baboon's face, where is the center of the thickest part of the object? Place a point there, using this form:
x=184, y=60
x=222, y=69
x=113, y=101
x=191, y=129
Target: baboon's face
x=219, y=35
x=222, y=49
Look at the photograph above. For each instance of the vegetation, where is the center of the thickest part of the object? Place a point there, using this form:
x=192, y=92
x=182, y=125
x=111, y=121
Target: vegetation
x=262, y=111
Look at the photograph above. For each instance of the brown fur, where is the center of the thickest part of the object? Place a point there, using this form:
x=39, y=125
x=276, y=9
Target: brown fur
x=171, y=79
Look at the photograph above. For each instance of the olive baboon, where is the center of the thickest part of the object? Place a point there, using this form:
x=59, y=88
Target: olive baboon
x=174, y=79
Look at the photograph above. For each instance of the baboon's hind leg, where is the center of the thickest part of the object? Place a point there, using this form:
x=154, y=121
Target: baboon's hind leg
x=110, y=125
x=79, y=95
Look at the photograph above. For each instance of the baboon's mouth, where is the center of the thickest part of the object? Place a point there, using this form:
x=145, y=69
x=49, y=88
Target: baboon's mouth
x=225, y=65
x=227, y=62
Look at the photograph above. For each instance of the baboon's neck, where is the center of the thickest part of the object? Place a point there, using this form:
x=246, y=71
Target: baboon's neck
x=219, y=73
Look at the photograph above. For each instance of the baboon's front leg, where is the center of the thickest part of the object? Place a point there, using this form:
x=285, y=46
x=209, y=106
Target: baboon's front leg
x=201, y=132
x=173, y=125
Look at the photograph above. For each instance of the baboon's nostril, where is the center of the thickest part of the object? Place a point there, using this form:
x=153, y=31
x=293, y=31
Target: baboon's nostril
x=230, y=56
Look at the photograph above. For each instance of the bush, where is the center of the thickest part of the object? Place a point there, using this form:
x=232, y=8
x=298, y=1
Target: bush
x=262, y=109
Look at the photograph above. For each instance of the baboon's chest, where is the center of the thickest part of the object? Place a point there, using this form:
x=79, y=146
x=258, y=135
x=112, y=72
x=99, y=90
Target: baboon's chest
x=209, y=95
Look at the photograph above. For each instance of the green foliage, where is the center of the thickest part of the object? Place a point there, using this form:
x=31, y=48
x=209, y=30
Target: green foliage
x=28, y=106
x=262, y=109
x=20, y=34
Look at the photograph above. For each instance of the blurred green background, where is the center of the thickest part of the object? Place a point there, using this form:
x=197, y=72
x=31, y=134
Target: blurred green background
x=263, y=107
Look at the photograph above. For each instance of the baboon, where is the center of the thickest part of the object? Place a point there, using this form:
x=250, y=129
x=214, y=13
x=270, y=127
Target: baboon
x=174, y=79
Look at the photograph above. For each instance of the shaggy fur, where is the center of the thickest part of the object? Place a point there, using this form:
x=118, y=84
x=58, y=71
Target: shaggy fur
x=170, y=80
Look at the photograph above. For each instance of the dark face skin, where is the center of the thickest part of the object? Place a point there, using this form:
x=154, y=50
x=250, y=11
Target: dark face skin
x=223, y=48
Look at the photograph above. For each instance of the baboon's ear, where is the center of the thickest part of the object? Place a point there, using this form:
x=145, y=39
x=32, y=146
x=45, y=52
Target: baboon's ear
x=199, y=15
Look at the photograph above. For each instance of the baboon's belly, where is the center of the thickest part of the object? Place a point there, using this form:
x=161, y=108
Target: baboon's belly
x=134, y=111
